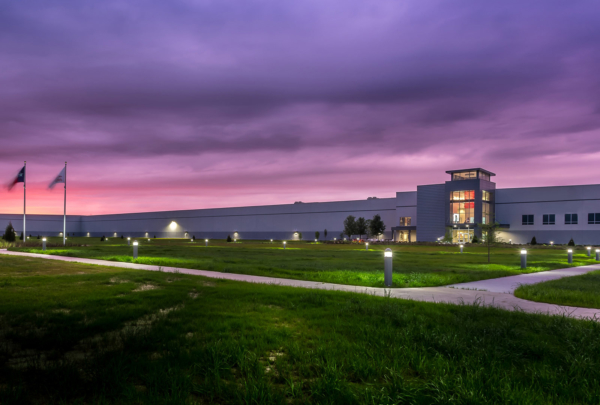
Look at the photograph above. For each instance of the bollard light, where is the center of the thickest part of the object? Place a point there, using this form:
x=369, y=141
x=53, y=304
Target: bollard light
x=589, y=251
x=43, y=244
x=191, y=240
x=598, y=255
x=284, y=245
x=570, y=256
x=551, y=243
x=148, y=240
x=523, y=259
x=271, y=240
x=135, y=249
x=510, y=241
x=461, y=248
x=367, y=246
x=387, y=274
x=235, y=240
x=128, y=241
x=334, y=239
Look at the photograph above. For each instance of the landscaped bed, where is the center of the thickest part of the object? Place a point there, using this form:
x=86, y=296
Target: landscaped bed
x=414, y=265
x=75, y=333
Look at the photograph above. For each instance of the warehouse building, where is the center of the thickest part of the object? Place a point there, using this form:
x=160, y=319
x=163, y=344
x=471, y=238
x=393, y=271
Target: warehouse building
x=457, y=207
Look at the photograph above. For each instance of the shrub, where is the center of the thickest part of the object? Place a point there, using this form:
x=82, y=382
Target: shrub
x=9, y=233
x=317, y=234
x=21, y=237
x=475, y=239
x=194, y=237
x=571, y=242
x=325, y=233
x=228, y=238
x=122, y=237
x=102, y=239
x=38, y=236
x=299, y=235
x=154, y=236
x=533, y=241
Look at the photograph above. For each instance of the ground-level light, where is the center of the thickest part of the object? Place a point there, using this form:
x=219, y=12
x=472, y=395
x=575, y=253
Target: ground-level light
x=589, y=251
x=43, y=243
x=523, y=259
x=461, y=248
x=367, y=246
x=387, y=264
x=128, y=241
x=135, y=249
x=598, y=255
x=205, y=242
x=570, y=256
x=284, y=245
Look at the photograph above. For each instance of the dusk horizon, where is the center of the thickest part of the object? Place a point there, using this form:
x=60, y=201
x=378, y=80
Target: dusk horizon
x=219, y=104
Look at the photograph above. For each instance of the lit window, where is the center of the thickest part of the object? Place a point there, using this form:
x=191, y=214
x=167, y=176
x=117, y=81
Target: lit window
x=571, y=219
x=594, y=218
x=548, y=219
x=405, y=221
x=527, y=219
x=486, y=195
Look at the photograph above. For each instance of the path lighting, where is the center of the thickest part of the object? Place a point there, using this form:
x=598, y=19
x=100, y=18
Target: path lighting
x=206, y=242
x=589, y=251
x=135, y=249
x=44, y=244
x=148, y=240
x=235, y=240
x=598, y=255
x=271, y=240
x=284, y=245
x=570, y=256
x=315, y=241
x=461, y=248
x=367, y=246
x=523, y=259
x=334, y=239
x=510, y=241
x=551, y=243
x=344, y=239
x=387, y=273
x=128, y=241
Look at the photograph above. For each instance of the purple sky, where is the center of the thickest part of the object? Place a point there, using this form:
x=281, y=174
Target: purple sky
x=193, y=104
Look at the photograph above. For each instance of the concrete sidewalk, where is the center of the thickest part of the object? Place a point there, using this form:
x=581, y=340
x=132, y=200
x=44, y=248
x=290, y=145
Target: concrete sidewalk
x=509, y=284
x=427, y=294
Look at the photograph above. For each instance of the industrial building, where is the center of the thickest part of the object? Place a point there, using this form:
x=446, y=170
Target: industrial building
x=458, y=206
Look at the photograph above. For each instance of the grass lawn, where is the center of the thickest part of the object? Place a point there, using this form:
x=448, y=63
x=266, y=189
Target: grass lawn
x=74, y=333
x=577, y=291
x=414, y=265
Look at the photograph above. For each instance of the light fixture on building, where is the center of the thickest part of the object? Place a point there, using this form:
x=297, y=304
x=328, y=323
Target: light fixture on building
x=173, y=225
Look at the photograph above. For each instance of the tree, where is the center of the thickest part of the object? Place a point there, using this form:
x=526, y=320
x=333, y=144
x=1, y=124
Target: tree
x=9, y=233
x=299, y=235
x=361, y=227
x=194, y=237
x=571, y=242
x=350, y=226
x=376, y=226
x=228, y=238
x=22, y=237
x=325, y=233
x=448, y=235
x=102, y=239
x=490, y=232
x=121, y=236
x=317, y=234
x=475, y=239
x=533, y=241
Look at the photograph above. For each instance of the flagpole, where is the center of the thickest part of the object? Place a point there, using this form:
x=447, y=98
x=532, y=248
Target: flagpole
x=24, y=200
x=65, y=215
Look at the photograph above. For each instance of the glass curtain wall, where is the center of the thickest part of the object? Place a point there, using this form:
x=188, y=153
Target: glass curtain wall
x=462, y=207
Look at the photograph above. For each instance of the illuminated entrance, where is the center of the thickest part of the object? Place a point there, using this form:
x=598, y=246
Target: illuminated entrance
x=462, y=235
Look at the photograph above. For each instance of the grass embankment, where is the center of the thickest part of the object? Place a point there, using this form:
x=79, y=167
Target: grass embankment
x=414, y=265
x=577, y=291
x=73, y=333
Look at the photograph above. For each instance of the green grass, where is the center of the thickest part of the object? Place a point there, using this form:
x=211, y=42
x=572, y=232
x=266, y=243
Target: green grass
x=74, y=333
x=576, y=291
x=414, y=265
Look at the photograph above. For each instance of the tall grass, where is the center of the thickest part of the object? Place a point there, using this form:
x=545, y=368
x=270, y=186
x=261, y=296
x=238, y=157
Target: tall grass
x=88, y=334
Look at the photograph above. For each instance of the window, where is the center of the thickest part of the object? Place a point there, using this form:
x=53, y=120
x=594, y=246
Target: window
x=462, y=212
x=593, y=218
x=571, y=219
x=464, y=175
x=548, y=219
x=527, y=219
x=462, y=195
x=484, y=176
x=405, y=221
x=485, y=213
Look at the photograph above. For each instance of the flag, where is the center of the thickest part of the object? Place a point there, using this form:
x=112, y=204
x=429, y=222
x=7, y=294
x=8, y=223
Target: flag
x=19, y=179
x=59, y=179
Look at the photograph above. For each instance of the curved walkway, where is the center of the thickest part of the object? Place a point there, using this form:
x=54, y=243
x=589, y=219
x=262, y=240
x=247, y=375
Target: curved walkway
x=457, y=294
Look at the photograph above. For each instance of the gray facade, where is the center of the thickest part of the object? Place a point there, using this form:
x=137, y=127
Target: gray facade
x=426, y=215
